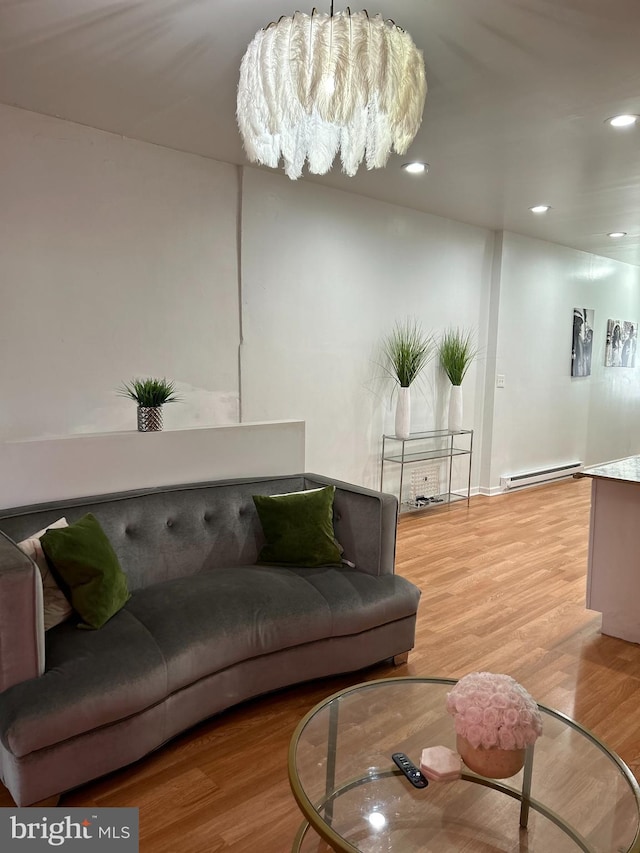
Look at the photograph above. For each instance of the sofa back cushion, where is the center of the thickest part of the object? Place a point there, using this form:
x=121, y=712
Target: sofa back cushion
x=171, y=532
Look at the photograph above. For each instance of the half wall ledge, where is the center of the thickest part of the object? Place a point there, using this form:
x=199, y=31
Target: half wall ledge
x=48, y=469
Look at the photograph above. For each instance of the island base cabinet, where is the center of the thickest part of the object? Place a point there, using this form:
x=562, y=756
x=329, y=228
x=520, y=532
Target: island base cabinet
x=613, y=579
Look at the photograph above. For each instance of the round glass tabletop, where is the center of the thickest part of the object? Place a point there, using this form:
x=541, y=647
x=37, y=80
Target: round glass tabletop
x=573, y=793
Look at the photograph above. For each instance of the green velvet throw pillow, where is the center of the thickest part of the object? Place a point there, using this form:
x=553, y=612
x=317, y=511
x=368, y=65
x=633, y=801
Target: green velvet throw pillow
x=298, y=528
x=83, y=557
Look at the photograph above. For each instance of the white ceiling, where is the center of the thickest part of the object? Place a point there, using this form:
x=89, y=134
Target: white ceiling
x=518, y=94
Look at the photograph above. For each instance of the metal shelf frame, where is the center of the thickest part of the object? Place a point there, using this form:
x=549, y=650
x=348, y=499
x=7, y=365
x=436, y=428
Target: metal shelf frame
x=448, y=449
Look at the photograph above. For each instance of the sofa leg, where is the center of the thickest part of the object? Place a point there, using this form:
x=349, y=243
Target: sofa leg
x=48, y=803
x=399, y=660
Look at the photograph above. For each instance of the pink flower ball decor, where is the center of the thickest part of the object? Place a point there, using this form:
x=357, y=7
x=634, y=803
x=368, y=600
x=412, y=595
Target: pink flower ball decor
x=495, y=720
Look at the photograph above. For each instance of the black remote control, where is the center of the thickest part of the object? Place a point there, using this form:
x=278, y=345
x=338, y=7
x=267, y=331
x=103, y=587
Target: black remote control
x=410, y=770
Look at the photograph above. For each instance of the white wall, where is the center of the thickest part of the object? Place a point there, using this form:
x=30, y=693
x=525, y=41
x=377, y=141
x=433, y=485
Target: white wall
x=544, y=416
x=326, y=274
x=118, y=259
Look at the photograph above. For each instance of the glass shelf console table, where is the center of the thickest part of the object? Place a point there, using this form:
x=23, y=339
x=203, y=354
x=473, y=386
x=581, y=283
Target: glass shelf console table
x=426, y=459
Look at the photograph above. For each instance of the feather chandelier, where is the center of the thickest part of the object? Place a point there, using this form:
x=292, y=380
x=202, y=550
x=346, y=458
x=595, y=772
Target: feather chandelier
x=313, y=85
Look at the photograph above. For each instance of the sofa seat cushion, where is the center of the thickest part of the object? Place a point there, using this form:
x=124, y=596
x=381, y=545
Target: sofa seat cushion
x=173, y=633
x=92, y=678
x=358, y=601
x=213, y=620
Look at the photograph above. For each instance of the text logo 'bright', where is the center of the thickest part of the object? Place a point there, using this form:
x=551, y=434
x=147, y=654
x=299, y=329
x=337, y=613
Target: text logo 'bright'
x=34, y=829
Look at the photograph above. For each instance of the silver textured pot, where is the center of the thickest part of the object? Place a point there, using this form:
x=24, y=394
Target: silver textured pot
x=149, y=418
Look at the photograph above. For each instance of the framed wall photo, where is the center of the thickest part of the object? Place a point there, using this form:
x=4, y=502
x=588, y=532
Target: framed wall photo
x=620, y=349
x=582, y=341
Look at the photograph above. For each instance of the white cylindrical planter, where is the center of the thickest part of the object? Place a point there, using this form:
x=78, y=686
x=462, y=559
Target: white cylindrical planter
x=455, y=408
x=403, y=413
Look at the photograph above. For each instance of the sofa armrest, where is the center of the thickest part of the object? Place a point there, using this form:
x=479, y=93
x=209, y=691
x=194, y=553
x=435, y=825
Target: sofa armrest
x=365, y=524
x=21, y=616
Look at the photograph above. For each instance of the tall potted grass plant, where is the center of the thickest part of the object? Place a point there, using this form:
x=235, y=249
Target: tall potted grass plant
x=406, y=351
x=456, y=351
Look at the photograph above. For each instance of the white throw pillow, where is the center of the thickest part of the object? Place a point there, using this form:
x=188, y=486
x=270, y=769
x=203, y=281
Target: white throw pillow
x=56, y=605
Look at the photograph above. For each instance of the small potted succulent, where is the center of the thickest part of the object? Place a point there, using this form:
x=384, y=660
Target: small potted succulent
x=150, y=395
x=495, y=720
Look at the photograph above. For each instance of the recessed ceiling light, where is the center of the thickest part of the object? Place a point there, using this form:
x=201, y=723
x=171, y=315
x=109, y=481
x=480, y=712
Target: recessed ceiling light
x=540, y=208
x=622, y=121
x=415, y=168
x=617, y=234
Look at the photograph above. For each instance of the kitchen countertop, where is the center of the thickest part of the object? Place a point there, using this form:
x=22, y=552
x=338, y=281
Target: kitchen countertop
x=626, y=470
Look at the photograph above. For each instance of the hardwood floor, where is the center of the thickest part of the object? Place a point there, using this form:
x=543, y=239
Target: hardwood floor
x=503, y=589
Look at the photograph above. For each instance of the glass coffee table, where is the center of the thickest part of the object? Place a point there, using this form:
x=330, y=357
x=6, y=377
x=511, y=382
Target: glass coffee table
x=573, y=794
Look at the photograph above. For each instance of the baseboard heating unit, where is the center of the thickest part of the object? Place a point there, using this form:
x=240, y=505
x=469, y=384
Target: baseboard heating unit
x=543, y=475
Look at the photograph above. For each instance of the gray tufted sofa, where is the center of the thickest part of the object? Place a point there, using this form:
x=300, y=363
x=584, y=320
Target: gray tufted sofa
x=205, y=627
